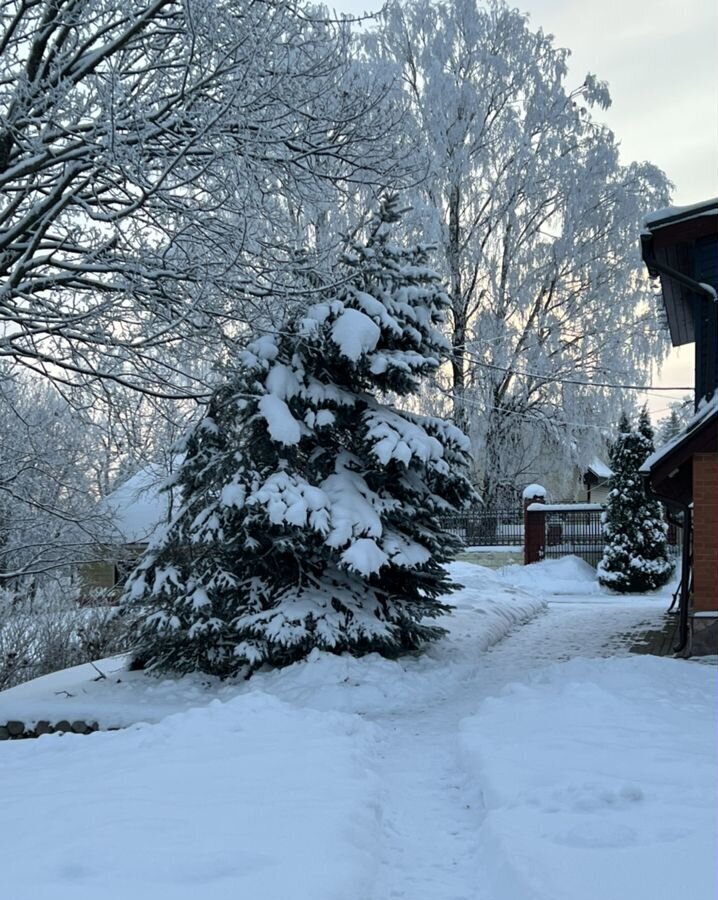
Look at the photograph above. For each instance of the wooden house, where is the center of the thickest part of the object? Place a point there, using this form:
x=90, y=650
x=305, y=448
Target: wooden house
x=136, y=510
x=680, y=246
x=595, y=481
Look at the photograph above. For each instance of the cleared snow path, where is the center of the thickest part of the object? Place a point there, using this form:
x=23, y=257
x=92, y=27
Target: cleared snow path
x=431, y=814
x=429, y=846
x=338, y=778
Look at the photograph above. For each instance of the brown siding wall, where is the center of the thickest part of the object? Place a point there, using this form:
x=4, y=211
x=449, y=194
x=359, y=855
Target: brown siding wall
x=102, y=574
x=98, y=575
x=705, y=532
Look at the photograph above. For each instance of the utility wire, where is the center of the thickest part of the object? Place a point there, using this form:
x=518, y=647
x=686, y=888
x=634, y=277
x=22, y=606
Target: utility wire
x=625, y=387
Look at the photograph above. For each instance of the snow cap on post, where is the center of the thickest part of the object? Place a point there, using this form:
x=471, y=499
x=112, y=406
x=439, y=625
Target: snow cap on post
x=534, y=492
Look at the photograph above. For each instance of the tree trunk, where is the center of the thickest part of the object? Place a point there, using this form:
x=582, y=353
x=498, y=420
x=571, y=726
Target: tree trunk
x=458, y=305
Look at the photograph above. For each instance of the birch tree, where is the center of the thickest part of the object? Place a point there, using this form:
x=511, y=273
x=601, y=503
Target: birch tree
x=538, y=223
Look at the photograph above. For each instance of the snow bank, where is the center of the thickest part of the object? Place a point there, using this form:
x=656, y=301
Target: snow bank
x=568, y=574
x=119, y=699
x=485, y=610
x=598, y=780
x=574, y=578
x=249, y=798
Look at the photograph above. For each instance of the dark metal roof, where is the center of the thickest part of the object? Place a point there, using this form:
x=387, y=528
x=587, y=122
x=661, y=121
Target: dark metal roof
x=673, y=214
x=670, y=469
x=669, y=240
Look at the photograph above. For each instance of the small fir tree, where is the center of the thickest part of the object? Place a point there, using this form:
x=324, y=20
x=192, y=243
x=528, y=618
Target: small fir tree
x=673, y=424
x=636, y=557
x=671, y=427
x=310, y=503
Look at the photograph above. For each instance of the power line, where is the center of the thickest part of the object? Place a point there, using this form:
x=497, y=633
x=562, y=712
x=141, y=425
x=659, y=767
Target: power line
x=606, y=384
x=539, y=416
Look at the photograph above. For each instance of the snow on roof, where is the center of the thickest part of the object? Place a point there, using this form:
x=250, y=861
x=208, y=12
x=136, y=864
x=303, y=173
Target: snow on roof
x=564, y=507
x=707, y=409
x=600, y=469
x=669, y=215
x=139, y=506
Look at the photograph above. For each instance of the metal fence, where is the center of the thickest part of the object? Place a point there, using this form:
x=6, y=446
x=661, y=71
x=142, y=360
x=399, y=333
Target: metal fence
x=488, y=527
x=574, y=533
x=567, y=531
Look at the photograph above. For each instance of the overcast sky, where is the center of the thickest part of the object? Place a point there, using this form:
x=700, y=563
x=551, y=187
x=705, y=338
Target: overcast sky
x=660, y=58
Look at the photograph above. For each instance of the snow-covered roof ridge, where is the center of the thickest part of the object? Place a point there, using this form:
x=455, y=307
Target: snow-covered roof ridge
x=668, y=215
x=140, y=505
x=599, y=468
x=707, y=409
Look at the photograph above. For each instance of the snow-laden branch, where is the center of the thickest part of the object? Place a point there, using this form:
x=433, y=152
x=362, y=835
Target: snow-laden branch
x=157, y=160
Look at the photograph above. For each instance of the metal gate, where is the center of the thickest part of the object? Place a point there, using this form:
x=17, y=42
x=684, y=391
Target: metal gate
x=576, y=532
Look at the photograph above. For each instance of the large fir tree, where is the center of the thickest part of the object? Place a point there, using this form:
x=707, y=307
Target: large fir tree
x=636, y=556
x=311, y=504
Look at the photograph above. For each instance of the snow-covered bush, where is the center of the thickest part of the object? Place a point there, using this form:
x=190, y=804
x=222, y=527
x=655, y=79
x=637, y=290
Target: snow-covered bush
x=311, y=504
x=50, y=631
x=636, y=555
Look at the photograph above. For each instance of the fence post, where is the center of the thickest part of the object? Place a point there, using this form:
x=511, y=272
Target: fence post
x=534, y=524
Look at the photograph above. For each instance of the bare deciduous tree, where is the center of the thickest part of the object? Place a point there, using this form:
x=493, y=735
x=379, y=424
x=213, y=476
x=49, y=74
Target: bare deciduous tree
x=151, y=153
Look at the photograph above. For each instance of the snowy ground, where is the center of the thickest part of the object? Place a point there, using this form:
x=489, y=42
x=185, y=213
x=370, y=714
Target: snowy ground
x=473, y=772
x=612, y=795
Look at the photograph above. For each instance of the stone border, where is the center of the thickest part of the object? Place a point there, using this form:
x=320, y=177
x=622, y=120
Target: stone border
x=14, y=729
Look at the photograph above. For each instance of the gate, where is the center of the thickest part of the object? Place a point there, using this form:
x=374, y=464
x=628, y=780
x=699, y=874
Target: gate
x=564, y=529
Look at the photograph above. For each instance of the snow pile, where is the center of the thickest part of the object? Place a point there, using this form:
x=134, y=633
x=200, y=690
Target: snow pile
x=118, y=700
x=599, y=780
x=484, y=611
x=249, y=798
x=570, y=575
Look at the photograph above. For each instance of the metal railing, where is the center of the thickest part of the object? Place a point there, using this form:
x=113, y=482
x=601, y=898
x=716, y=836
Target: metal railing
x=488, y=527
x=567, y=531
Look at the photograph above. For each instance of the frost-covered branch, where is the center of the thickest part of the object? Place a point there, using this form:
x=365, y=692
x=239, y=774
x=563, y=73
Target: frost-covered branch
x=157, y=160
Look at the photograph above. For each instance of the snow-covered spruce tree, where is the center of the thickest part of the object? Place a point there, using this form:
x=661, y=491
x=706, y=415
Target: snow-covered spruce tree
x=310, y=504
x=636, y=557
